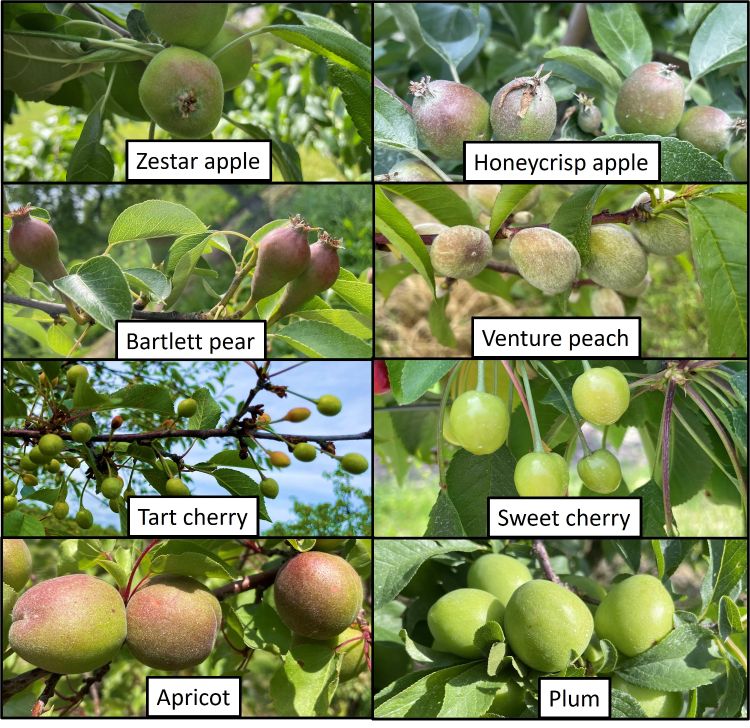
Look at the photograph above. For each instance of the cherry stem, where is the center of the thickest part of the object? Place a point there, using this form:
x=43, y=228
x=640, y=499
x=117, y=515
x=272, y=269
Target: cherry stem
x=519, y=391
x=538, y=446
x=133, y=571
x=665, y=448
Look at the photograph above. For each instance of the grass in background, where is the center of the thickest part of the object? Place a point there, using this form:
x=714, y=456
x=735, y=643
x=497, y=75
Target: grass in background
x=404, y=510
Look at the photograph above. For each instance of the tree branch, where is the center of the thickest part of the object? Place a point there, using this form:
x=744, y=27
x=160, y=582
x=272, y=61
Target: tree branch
x=46, y=696
x=252, y=581
x=14, y=685
x=540, y=551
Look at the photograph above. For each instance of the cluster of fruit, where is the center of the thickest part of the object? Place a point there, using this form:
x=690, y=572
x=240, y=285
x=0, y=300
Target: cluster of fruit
x=181, y=89
x=479, y=422
x=77, y=623
x=547, y=626
x=57, y=449
x=650, y=101
x=547, y=260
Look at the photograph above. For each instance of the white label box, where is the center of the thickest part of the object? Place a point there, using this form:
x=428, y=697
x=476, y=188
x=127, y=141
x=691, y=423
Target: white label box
x=581, y=337
x=218, y=160
x=193, y=516
x=535, y=517
x=574, y=697
x=177, y=340
x=193, y=697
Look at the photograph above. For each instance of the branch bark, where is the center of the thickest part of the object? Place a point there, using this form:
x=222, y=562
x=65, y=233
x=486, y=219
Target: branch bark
x=252, y=581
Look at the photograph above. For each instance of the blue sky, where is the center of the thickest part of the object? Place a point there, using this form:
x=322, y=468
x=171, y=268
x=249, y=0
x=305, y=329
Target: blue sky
x=348, y=380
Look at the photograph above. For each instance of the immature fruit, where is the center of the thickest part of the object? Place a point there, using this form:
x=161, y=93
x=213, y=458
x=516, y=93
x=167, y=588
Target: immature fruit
x=667, y=233
x=173, y=622
x=38, y=457
x=125, y=87
x=84, y=519
x=524, y=110
x=736, y=160
x=68, y=625
x=617, y=261
x=541, y=474
x=455, y=617
x=297, y=414
x=111, y=487
x=353, y=660
x=29, y=479
x=589, y=117
x=600, y=471
x=34, y=244
x=10, y=503
x=354, y=463
x=546, y=625
x=279, y=459
x=650, y=100
x=81, y=432
x=447, y=114
x=317, y=595
x=606, y=302
x=167, y=466
x=191, y=25
x=498, y=574
x=448, y=433
x=9, y=599
x=159, y=247
x=412, y=170
x=233, y=64
x=174, y=487
x=269, y=487
x=509, y=700
x=601, y=395
x=305, y=452
x=283, y=254
x=462, y=251
x=320, y=274
x=77, y=373
x=9, y=487
x=60, y=510
x=187, y=408
x=545, y=259
x=53, y=466
x=638, y=290
x=480, y=422
x=636, y=614
x=380, y=379
x=51, y=444
x=16, y=563
x=655, y=703
x=26, y=463
x=328, y=405
x=181, y=91
x=706, y=127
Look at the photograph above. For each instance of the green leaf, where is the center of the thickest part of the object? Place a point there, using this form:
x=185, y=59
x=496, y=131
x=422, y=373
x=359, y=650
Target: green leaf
x=394, y=125
x=305, y=683
x=357, y=95
x=16, y=523
x=720, y=41
x=263, y=628
x=440, y=327
x=417, y=376
x=321, y=340
x=91, y=161
x=346, y=321
x=507, y=201
x=719, y=238
x=151, y=397
x=357, y=294
x=591, y=64
x=439, y=200
x=99, y=288
x=573, y=218
x=150, y=281
x=621, y=34
x=184, y=255
x=154, y=219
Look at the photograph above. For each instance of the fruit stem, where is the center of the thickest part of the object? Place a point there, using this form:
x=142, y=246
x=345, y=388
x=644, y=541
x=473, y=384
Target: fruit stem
x=586, y=365
x=440, y=417
x=666, y=439
x=538, y=446
x=426, y=160
x=480, y=375
x=569, y=406
x=519, y=390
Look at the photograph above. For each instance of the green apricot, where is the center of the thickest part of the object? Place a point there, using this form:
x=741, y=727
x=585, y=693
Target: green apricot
x=412, y=170
x=650, y=100
x=541, y=474
x=547, y=625
x=617, y=260
x=84, y=519
x=16, y=563
x=182, y=92
x=600, y=471
x=233, y=64
x=173, y=622
x=462, y=251
x=667, y=233
x=706, y=127
x=498, y=574
x=68, y=625
x=174, y=487
x=187, y=407
x=9, y=599
x=456, y=616
x=509, y=700
x=545, y=259
x=317, y=595
x=111, y=487
x=81, y=432
x=269, y=487
x=601, y=395
x=655, y=703
x=353, y=653
x=446, y=114
x=354, y=463
x=328, y=405
x=636, y=614
x=305, y=452
x=524, y=110
x=606, y=302
x=736, y=160
x=191, y=25
x=51, y=445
